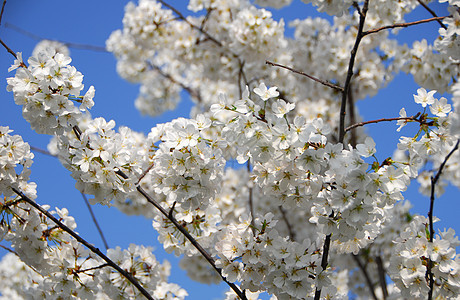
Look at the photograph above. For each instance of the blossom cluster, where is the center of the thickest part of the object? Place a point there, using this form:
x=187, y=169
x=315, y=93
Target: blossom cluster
x=47, y=90
x=53, y=263
x=412, y=254
x=266, y=226
x=15, y=162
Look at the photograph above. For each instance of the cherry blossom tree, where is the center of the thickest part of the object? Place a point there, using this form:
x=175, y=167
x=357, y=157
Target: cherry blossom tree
x=272, y=185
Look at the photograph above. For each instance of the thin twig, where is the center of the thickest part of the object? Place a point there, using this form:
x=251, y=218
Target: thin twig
x=68, y=44
x=17, y=255
x=413, y=118
x=8, y=49
x=363, y=269
x=403, y=25
x=382, y=280
x=206, y=17
x=432, y=13
x=93, y=268
x=93, y=249
x=209, y=37
x=434, y=180
x=195, y=94
x=145, y=173
x=182, y=17
x=95, y=221
x=323, y=82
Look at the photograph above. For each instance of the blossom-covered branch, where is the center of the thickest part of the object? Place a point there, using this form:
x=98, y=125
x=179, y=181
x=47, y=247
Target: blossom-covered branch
x=93, y=249
x=434, y=180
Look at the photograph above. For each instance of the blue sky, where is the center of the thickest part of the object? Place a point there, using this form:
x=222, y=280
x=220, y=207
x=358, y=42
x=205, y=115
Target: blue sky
x=91, y=22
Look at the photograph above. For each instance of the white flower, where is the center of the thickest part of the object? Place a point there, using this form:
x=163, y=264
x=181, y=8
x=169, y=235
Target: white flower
x=368, y=148
x=440, y=108
x=424, y=98
x=281, y=107
x=17, y=62
x=265, y=93
x=401, y=123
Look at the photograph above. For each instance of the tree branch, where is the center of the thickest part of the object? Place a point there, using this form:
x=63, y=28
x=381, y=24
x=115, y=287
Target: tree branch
x=434, y=180
x=251, y=202
x=192, y=240
x=192, y=92
x=84, y=242
x=182, y=17
x=351, y=63
x=366, y=275
x=68, y=44
x=432, y=13
x=323, y=82
x=1, y=13
x=351, y=110
x=17, y=255
x=413, y=118
x=8, y=49
x=288, y=224
x=382, y=280
x=95, y=221
x=403, y=25
x=359, y=36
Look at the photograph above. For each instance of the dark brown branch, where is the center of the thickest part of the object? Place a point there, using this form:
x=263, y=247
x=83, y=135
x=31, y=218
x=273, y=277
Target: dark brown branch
x=363, y=269
x=326, y=246
x=192, y=240
x=9, y=250
x=1, y=13
x=251, y=202
x=288, y=224
x=206, y=17
x=145, y=173
x=77, y=132
x=68, y=44
x=413, y=118
x=8, y=49
x=434, y=180
x=432, y=13
x=359, y=36
x=323, y=82
x=351, y=63
x=404, y=25
x=84, y=242
x=106, y=245
x=351, y=110
x=382, y=280
x=90, y=269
